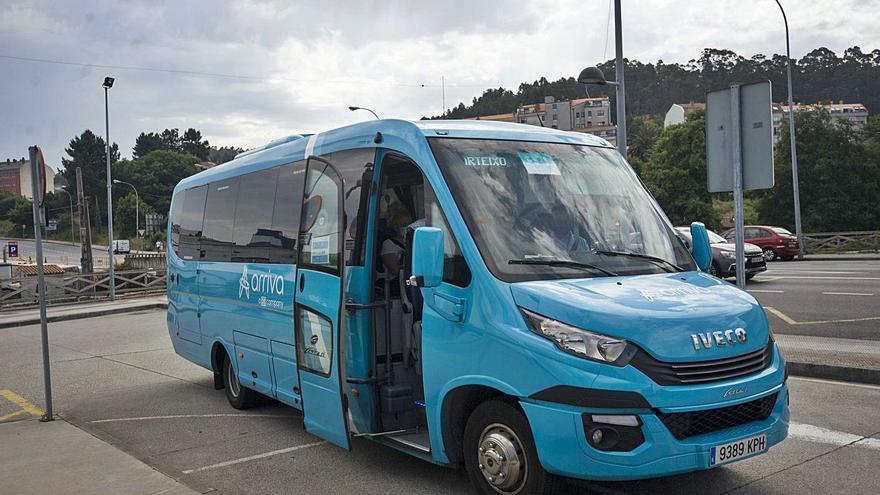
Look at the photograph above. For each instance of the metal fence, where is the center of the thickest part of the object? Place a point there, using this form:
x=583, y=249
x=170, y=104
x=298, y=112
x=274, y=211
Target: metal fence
x=67, y=287
x=840, y=242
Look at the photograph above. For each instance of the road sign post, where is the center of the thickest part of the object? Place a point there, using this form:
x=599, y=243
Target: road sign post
x=38, y=187
x=739, y=149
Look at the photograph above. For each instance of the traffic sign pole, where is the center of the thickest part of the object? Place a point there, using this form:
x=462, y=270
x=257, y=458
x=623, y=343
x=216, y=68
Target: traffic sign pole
x=37, y=176
x=736, y=159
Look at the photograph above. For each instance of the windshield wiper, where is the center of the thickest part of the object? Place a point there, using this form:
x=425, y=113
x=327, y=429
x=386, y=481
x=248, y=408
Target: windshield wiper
x=654, y=259
x=558, y=262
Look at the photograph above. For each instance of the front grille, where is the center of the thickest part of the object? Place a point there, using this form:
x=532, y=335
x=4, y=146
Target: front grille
x=690, y=424
x=685, y=373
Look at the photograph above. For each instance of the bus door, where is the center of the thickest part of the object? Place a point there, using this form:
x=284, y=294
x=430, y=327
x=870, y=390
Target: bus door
x=320, y=356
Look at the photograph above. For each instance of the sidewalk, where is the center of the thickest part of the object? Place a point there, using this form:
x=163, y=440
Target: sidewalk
x=832, y=358
x=842, y=257
x=31, y=316
x=57, y=457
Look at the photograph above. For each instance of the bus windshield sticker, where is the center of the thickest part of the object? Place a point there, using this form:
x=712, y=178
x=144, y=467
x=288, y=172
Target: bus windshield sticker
x=537, y=163
x=320, y=251
x=485, y=161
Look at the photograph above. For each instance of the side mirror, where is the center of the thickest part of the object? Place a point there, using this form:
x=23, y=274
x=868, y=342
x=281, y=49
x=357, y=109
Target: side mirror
x=700, y=247
x=427, y=259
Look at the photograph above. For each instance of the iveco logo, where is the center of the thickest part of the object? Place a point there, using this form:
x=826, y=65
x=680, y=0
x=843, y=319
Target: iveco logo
x=719, y=337
x=314, y=339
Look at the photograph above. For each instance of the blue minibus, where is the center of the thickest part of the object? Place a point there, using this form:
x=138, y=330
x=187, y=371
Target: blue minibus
x=500, y=296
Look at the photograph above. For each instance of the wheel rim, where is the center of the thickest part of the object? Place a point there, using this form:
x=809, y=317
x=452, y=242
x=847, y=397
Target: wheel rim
x=502, y=459
x=231, y=382
x=769, y=254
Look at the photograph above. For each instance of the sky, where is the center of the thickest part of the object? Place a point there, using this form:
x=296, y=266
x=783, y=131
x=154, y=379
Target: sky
x=300, y=64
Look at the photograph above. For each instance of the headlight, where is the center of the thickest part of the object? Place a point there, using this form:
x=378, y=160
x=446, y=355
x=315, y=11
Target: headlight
x=580, y=342
x=728, y=254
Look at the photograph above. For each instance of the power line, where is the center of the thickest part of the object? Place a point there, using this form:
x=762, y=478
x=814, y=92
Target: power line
x=221, y=75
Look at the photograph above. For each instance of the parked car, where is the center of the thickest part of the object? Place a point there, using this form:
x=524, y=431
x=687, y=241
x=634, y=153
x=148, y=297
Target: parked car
x=724, y=255
x=775, y=242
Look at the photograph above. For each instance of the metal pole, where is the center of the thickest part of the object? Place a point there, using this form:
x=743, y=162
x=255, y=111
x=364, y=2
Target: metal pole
x=621, y=91
x=794, y=164
x=37, y=190
x=70, y=200
x=443, y=88
x=736, y=152
x=112, y=279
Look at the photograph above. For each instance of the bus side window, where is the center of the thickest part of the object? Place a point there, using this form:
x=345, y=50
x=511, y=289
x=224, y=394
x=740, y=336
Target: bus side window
x=319, y=229
x=177, y=208
x=455, y=268
x=350, y=164
x=191, y=223
x=285, y=216
x=253, y=235
x=219, y=215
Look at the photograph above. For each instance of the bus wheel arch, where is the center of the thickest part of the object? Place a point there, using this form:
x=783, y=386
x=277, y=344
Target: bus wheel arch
x=458, y=405
x=218, y=354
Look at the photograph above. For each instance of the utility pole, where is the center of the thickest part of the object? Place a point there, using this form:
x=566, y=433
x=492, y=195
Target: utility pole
x=85, y=231
x=108, y=83
x=38, y=189
x=618, y=69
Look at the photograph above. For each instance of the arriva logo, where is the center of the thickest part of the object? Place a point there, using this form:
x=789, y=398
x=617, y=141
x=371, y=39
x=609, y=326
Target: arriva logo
x=259, y=283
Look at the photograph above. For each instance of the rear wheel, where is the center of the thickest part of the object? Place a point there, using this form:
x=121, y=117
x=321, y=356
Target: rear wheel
x=239, y=397
x=500, y=455
x=769, y=254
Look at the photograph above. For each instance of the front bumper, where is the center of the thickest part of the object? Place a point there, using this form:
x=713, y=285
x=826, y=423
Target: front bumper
x=563, y=448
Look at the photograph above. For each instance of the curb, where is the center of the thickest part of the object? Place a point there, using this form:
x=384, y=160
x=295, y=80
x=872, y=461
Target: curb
x=80, y=316
x=839, y=373
x=842, y=258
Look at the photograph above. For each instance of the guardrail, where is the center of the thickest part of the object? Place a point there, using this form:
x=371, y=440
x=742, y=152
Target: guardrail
x=23, y=291
x=836, y=242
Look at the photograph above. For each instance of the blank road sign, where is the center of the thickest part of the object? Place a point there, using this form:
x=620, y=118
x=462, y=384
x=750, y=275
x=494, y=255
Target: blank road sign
x=756, y=137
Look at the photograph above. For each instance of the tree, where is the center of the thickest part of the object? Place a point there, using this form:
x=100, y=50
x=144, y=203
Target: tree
x=145, y=143
x=16, y=210
x=156, y=174
x=838, y=175
x=224, y=154
x=642, y=133
x=676, y=173
x=88, y=152
x=193, y=144
x=124, y=212
x=170, y=139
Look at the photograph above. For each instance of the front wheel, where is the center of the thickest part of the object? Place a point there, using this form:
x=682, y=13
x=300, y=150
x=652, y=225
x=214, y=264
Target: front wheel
x=500, y=455
x=239, y=397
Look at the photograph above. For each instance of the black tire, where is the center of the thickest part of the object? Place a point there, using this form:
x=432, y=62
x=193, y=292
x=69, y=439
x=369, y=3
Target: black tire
x=769, y=254
x=715, y=270
x=502, y=432
x=750, y=276
x=238, y=396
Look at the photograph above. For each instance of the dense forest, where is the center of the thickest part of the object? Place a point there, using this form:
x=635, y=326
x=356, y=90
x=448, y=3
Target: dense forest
x=818, y=76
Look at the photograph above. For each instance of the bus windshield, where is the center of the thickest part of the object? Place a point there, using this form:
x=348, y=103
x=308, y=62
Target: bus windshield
x=545, y=210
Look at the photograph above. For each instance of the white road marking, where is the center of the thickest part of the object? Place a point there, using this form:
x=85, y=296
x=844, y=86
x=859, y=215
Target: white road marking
x=848, y=293
x=253, y=457
x=767, y=290
x=832, y=382
x=181, y=416
x=828, y=278
x=783, y=272
x=818, y=434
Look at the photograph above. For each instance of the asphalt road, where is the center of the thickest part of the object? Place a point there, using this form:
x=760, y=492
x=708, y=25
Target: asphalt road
x=821, y=298
x=118, y=378
x=53, y=251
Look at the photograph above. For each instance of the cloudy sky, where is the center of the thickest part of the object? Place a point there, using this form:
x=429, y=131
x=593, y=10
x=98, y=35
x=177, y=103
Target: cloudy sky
x=299, y=65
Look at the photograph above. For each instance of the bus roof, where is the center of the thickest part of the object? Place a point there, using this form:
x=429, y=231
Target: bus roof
x=363, y=134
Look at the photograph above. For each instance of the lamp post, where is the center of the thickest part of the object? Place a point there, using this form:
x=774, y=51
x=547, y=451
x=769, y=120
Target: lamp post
x=70, y=200
x=137, y=201
x=594, y=75
x=367, y=109
x=108, y=83
x=794, y=164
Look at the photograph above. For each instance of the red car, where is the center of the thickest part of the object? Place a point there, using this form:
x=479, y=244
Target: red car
x=775, y=242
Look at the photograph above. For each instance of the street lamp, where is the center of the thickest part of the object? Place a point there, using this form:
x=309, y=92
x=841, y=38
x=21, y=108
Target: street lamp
x=108, y=83
x=137, y=201
x=594, y=75
x=794, y=165
x=367, y=109
x=70, y=199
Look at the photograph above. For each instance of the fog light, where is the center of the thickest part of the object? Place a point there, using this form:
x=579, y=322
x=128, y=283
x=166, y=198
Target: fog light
x=597, y=436
x=613, y=432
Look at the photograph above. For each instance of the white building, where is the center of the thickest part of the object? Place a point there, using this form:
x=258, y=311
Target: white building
x=678, y=112
x=15, y=176
x=854, y=112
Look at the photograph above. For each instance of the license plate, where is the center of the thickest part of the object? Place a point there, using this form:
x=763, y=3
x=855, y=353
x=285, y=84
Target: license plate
x=729, y=452
x=757, y=259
